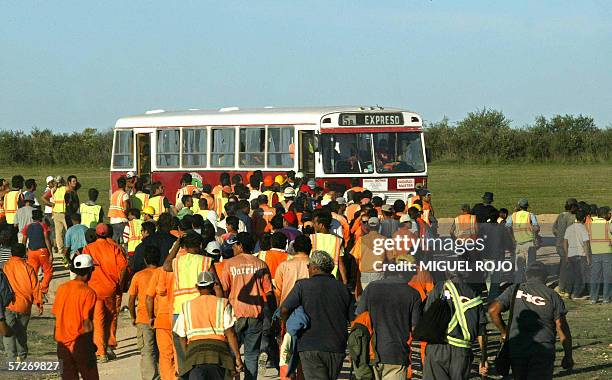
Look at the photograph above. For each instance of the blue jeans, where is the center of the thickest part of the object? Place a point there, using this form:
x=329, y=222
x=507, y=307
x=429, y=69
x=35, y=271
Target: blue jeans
x=601, y=271
x=180, y=353
x=16, y=345
x=249, y=331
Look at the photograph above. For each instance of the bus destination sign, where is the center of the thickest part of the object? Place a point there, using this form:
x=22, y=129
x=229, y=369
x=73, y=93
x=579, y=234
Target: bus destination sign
x=351, y=119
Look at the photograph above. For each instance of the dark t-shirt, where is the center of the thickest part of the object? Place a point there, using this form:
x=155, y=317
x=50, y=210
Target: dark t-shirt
x=161, y=240
x=36, y=235
x=395, y=308
x=482, y=212
x=326, y=302
x=536, y=309
x=496, y=240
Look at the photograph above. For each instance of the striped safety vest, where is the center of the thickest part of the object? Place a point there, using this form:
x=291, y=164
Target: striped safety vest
x=599, y=235
x=135, y=236
x=465, y=227
x=90, y=214
x=59, y=204
x=11, y=204
x=521, y=227
x=329, y=243
x=157, y=202
x=187, y=190
x=117, y=206
x=204, y=318
x=459, y=318
x=186, y=268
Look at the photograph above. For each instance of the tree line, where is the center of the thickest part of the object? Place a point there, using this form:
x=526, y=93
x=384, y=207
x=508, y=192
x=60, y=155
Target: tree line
x=482, y=136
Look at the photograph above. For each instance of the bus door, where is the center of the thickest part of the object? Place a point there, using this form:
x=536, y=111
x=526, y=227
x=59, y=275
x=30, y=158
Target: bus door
x=307, y=153
x=143, y=156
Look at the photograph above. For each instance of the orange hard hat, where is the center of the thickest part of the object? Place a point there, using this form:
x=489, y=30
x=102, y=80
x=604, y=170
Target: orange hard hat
x=268, y=180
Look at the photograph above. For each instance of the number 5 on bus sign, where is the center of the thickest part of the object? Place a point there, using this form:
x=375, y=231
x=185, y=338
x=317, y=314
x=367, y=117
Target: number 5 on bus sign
x=349, y=119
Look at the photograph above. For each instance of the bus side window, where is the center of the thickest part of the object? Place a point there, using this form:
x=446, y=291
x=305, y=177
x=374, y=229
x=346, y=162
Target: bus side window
x=281, y=148
x=194, y=147
x=123, y=157
x=252, y=146
x=168, y=148
x=222, y=152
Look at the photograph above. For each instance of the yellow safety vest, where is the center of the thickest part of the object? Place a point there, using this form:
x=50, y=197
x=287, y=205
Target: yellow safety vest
x=270, y=195
x=521, y=227
x=204, y=318
x=186, y=268
x=139, y=200
x=157, y=202
x=135, y=236
x=90, y=215
x=328, y=243
x=11, y=204
x=599, y=234
x=458, y=317
x=59, y=204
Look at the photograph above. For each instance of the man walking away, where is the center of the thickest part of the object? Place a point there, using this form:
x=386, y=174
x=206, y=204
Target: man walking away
x=13, y=199
x=206, y=327
x=74, y=241
x=497, y=241
x=395, y=309
x=324, y=240
x=117, y=210
x=293, y=269
x=577, y=255
x=524, y=231
x=111, y=269
x=23, y=216
x=538, y=313
x=145, y=335
x=24, y=283
x=600, y=232
x=482, y=211
x=91, y=213
x=453, y=360
x=564, y=220
x=73, y=309
x=36, y=238
x=326, y=302
x=247, y=283
x=369, y=259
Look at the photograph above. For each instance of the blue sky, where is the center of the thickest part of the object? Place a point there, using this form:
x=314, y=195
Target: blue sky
x=71, y=65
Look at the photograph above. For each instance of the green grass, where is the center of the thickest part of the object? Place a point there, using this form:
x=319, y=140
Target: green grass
x=545, y=185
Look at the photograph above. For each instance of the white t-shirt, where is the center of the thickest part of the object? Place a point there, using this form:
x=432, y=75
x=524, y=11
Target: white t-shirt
x=228, y=321
x=576, y=236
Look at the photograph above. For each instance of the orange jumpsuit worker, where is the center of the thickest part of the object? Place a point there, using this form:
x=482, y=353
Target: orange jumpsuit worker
x=38, y=242
x=111, y=268
x=73, y=309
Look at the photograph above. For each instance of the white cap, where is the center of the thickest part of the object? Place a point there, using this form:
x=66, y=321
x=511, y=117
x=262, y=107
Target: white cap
x=405, y=218
x=289, y=192
x=130, y=174
x=213, y=248
x=205, y=279
x=83, y=261
x=299, y=175
x=49, y=179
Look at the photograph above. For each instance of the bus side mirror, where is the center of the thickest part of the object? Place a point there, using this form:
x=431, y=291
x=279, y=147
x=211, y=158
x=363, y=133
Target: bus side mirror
x=428, y=155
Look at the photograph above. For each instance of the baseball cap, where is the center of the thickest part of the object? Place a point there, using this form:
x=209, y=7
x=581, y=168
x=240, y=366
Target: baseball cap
x=523, y=202
x=232, y=240
x=305, y=189
x=130, y=175
x=289, y=192
x=290, y=217
x=299, y=175
x=205, y=279
x=213, y=248
x=373, y=222
x=29, y=197
x=387, y=208
x=49, y=179
x=102, y=230
x=83, y=261
x=488, y=196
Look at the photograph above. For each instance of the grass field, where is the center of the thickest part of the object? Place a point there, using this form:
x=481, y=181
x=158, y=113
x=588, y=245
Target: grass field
x=546, y=185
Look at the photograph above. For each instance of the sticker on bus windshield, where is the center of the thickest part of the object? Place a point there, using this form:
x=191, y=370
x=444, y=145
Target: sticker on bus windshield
x=376, y=184
x=405, y=183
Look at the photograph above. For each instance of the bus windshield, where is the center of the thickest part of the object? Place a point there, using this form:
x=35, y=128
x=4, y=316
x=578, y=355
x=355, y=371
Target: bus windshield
x=347, y=153
x=399, y=152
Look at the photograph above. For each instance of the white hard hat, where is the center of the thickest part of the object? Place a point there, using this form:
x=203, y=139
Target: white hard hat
x=49, y=179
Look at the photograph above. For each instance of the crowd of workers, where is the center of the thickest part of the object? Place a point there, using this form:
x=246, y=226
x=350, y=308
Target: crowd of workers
x=287, y=271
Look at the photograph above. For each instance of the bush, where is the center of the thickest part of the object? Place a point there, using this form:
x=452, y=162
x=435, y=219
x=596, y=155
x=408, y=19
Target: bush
x=486, y=136
x=43, y=147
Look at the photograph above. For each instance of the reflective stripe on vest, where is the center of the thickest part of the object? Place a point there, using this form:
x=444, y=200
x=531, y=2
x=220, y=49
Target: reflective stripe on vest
x=139, y=200
x=11, y=204
x=90, y=214
x=521, y=226
x=157, y=202
x=328, y=243
x=59, y=205
x=459, y=317
x=204, y=318
x=186, y=269
x=117, y=205
x=599, y=234
x=465, y=227
x=135, y=234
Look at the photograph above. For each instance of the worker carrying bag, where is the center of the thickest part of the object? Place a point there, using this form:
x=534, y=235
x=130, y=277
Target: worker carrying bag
x=433, y=325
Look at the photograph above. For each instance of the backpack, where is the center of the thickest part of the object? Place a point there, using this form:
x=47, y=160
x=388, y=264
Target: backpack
x=6, y=291
x=433, y=326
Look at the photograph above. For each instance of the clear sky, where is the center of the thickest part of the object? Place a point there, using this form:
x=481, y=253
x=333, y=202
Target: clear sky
x=68, y=65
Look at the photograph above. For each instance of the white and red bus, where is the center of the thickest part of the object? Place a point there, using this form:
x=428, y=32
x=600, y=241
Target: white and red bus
x=382, y=147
